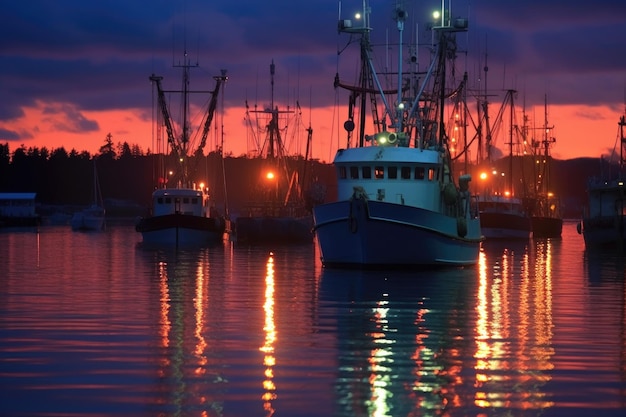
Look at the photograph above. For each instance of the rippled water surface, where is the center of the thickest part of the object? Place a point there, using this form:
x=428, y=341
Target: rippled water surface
x=96, y=324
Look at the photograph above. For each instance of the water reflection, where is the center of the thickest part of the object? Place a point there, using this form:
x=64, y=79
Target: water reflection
x=448, y=342
x=191, y=375
x=101, y=326
x=514, y=327
x=401, y=339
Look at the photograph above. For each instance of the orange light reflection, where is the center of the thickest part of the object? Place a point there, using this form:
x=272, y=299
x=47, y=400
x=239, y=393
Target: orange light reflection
x=270, y=338
x=514, y=330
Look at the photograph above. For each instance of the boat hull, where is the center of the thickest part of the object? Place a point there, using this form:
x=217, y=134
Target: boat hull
x=503, y=225
x=604, y=232
x=91, y=219
x=181, y=229
x=85, y=223
x=363, y=233
x=546, y=227
x=267, y=229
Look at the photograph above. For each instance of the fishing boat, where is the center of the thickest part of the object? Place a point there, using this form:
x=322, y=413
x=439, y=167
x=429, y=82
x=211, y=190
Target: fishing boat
x=603, y=224
x=503, y=214
x=277, y=210
x=545, y=211
x=93, y=217
x=398, y=201
x=182, y=211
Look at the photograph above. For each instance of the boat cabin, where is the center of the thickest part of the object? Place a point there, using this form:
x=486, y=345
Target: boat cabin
x=391, y=176
x=179, y=201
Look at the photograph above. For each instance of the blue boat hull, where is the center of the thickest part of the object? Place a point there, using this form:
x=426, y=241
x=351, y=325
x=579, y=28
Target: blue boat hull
x=365, y=233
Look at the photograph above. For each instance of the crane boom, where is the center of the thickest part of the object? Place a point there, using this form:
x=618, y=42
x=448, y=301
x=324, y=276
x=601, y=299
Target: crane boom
x=219, y=80
x=165, y=113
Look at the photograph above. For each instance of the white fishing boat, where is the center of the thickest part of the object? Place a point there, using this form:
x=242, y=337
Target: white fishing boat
x=182, y=212
x=93, y=217
x=399, y=204
x=603, y=224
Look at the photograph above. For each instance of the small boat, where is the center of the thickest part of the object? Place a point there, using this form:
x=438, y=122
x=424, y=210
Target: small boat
x=546, y=220
x=182, y=212
x=504, y=215
x=398, y=203
x=277, y=210
x=93, y=217
x=603, y=224
x=181, y=216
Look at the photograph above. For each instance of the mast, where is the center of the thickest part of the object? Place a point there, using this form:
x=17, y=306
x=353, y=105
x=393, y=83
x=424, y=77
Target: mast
x=547, y=140
x=512, y=118
x=486, y=111
x=180, y=145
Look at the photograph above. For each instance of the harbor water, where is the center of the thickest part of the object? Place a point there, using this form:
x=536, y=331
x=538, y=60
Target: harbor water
x=97, y=324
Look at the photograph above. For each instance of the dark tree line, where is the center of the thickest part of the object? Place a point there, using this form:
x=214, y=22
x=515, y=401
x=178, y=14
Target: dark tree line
x=127, y=174
x=59, y=177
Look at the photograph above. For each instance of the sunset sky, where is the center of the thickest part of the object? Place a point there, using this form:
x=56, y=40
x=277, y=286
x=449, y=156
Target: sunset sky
x=73, y=71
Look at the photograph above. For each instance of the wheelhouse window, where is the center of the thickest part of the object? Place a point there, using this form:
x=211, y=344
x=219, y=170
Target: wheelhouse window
x=342, y=173
x=194, y=200
x=168, y=200
x=354, y=173
x=186, y=200
x=419, y=173
x=431, y=174
x=366, y=172
x=405, y=173
x=379, y=172
x=392, y=172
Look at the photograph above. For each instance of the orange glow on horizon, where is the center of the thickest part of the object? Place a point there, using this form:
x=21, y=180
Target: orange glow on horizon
x=574, y=124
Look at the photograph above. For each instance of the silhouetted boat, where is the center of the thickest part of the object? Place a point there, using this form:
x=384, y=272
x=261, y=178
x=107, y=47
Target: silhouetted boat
x=277, y=210
x=398, y=202
x=545, y=219
x=182, y=212
x=503, y=215
x=603, y=221
x=93, y=217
